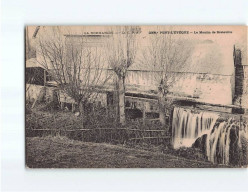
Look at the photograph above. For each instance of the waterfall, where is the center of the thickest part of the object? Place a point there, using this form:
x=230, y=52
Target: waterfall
x=225, y=140
x=219, y=142
x=219, y=135
x=188, y=126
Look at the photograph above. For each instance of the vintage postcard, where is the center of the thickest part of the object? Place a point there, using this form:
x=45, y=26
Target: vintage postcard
x=136, y=96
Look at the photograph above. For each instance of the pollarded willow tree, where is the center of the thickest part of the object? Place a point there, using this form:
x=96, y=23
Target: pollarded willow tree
x=164, y=52
x=76, y=65
x=121, y=49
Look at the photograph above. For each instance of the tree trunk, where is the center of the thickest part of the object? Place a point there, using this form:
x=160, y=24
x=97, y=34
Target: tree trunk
x=81, y=111
x=116, y=100
x=161, y=103
x=121, y=81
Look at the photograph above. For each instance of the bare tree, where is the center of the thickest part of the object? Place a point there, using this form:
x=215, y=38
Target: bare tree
x=74, y=63
x=121, y=52
x=164, y=52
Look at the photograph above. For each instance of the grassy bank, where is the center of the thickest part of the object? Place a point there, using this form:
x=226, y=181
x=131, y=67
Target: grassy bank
x=61, y=152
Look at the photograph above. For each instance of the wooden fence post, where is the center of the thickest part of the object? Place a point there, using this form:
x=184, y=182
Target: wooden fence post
x=73, y=107
x=144, y=114
x=62, y=105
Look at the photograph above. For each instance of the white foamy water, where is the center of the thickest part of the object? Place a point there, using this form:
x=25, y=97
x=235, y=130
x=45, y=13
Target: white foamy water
x=188, y=126
x=221, y=133
x=221, y=136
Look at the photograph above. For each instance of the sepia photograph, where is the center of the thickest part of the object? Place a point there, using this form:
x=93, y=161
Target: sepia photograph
x=136, y=96
x=123, y=96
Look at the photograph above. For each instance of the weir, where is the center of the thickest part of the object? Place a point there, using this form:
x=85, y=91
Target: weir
x=223, y=141
x=187, y=126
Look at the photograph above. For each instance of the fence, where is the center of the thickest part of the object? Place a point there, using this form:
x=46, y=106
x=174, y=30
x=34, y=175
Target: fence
x=106, y=135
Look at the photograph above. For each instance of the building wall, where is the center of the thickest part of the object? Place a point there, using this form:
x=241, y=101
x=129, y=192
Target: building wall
x=209, y=88
x=208, y=57
x=35, y=91
x=144, y=80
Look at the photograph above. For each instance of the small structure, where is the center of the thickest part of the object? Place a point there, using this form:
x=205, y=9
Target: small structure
x=241, y=78
x=35, y=77
x=39, y=85
x=35, y=74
